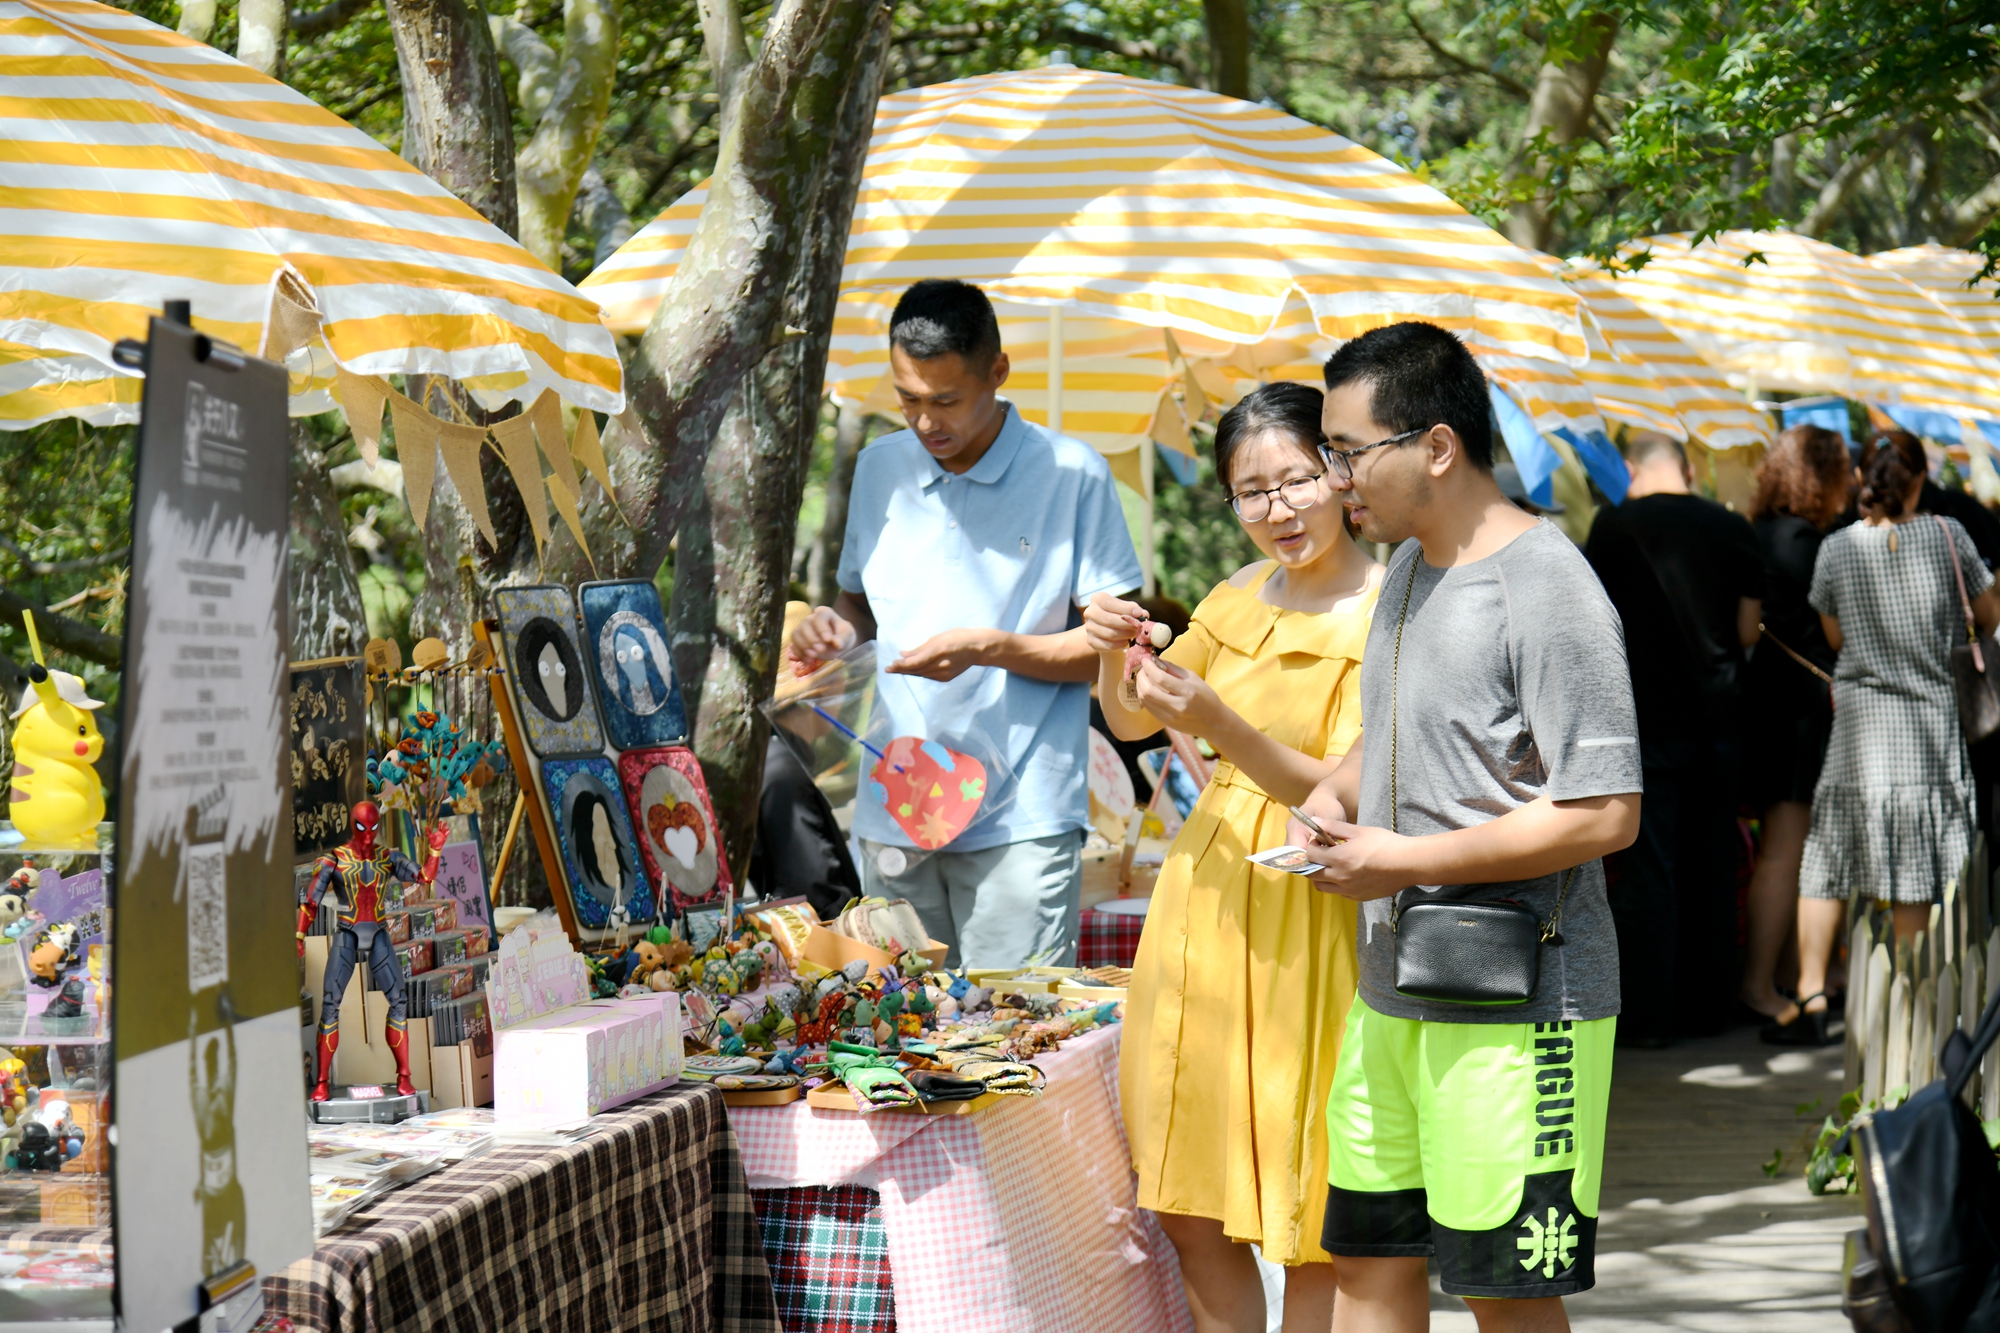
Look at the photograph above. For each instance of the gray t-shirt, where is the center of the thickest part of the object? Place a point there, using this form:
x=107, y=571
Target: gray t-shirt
x=1514, y=687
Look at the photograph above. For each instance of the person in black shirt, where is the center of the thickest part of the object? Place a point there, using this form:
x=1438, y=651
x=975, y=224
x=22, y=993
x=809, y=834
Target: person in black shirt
x=1803, y=487
x=1687, y=579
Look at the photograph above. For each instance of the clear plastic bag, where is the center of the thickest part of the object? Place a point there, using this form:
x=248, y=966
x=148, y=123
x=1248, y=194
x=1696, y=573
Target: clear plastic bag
x=913, y=755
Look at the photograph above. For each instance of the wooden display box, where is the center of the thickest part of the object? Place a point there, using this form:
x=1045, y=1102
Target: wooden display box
x=460, y=1078
x=75, y=1201
x=763, y=1096
x=95, y=1159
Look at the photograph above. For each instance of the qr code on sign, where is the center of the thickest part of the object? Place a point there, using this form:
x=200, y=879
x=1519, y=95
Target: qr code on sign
x=207, y=916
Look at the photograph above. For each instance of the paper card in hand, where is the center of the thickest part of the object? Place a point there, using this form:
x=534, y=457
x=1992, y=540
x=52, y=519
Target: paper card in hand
x=674, y=821
x=625, y=635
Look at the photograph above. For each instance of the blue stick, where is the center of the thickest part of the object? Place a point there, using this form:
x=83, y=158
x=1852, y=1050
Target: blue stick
x=848, y=732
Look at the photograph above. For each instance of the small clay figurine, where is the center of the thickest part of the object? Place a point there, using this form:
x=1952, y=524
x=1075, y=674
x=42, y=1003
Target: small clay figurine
x=355, y=874
x=14, y=898
x=1146, y=645
x=55, y=955
x=57, y=799
x=69, y=1003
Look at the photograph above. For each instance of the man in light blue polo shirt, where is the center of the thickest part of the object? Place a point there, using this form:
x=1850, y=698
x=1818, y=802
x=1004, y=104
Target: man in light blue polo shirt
x=972, y=540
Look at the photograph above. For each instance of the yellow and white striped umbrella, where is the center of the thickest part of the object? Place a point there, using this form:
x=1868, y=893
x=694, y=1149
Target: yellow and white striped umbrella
x=1812, y=318
x=138, y=166
x=1637, y=366
x=1121, y=198
x=1943, y=272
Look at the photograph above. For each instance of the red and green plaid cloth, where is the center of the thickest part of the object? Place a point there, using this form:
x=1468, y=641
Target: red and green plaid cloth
x=829, y=1258
x=1110, y=939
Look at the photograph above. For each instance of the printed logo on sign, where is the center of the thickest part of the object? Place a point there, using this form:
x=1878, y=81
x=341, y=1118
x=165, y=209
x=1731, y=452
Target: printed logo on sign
x=212, y=452
x=1555, y=1088
x=1548, y=1245
x=207, y=915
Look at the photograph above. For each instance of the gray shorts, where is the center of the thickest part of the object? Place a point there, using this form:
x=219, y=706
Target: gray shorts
x=998, y=907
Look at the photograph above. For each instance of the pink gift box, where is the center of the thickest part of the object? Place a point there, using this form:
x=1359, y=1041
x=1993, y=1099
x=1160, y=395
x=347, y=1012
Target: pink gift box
x=569, y=1065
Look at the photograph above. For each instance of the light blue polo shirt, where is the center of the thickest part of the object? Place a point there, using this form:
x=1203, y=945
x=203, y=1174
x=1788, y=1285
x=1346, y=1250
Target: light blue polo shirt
x=1017, y=543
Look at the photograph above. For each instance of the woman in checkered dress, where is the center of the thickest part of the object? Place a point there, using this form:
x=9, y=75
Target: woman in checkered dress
x=1892, y=815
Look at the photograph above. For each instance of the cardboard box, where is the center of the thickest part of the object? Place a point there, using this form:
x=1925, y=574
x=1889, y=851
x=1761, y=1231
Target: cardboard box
x=571, y=1064
x=363, y=1055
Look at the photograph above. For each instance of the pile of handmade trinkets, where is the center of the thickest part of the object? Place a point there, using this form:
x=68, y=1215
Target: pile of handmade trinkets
x=758, y=1021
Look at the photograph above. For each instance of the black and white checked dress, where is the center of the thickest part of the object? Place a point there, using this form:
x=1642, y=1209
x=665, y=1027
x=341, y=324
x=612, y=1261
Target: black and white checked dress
x=1893, y=813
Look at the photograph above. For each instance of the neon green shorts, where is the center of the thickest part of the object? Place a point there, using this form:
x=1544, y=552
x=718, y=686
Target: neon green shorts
x=1480, y=1143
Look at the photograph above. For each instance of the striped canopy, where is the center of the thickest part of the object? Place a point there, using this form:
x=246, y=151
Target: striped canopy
x=1121, y=198
x=138, y=166
x=1811, y=318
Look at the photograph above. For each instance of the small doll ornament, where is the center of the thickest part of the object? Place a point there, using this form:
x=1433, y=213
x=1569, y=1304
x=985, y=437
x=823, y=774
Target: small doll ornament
x=1146, y=645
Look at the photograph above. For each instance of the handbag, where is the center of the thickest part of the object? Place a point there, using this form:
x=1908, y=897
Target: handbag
x=1978, y=693
x=1931, y=1192
x=1460, y=952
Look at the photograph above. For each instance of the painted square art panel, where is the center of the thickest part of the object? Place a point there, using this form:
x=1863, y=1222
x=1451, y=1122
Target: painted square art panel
x=546, y=670
x=675, y=821
x=607, y=888
x=625, y=634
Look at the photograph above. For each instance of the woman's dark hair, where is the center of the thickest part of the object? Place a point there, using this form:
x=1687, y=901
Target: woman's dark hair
x=1285, y=406
x=1889, y=463
x=1805, y=467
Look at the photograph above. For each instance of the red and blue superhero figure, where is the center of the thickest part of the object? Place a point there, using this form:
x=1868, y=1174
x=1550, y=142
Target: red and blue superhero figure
x=356, y=874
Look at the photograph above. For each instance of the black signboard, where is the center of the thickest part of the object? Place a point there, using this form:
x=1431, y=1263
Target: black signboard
x=210, y=1165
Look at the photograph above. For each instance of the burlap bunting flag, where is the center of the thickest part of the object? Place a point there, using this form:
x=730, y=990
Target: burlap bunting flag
x=460, y=447
x=361, y=398
x=516, y=436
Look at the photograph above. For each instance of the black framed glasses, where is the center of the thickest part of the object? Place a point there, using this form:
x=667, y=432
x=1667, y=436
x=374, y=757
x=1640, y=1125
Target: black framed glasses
x=1298, y=493
x=1342, y=460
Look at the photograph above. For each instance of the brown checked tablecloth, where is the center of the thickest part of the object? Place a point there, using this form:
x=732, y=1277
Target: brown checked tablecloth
x=647, y=1224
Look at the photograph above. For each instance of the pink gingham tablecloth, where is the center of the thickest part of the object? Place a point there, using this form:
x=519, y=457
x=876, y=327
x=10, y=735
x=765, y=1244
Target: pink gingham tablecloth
x=1019, y=1218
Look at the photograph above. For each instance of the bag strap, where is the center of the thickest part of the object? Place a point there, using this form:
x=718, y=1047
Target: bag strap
x=1792, y=653
x=1964, y=602
x=1982, y=1038
x=1548, y=930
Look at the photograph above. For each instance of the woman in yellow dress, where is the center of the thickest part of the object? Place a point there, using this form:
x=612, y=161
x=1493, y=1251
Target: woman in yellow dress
x=1244, y=975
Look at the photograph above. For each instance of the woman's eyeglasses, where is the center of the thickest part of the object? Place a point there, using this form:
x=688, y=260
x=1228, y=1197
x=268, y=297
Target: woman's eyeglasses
x=1298, y=493
x=1342, y=460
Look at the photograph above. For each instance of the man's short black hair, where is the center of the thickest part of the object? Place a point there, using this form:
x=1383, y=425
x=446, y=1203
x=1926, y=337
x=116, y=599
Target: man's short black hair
x=1418, y=376
x=940, y=315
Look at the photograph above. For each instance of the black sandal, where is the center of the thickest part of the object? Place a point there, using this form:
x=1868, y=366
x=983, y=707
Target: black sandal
x=1807, y=1029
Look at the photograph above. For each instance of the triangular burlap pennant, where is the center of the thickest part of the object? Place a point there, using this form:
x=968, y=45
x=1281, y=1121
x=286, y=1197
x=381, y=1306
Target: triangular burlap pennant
x=590, y=452
x=416, y=450
x=547, y=416
x=294, y=321
x=460, y=447
x=361, y=397
x=565, y=502
x=517, y=445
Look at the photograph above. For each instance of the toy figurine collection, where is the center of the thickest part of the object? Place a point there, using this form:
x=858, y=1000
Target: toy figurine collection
x=358, y=875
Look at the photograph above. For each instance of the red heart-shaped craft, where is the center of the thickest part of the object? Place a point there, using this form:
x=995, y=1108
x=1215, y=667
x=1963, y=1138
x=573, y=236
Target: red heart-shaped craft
x=933, y=793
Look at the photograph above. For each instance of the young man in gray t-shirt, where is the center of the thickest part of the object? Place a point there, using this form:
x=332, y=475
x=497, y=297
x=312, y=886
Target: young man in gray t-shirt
x=1499, y=762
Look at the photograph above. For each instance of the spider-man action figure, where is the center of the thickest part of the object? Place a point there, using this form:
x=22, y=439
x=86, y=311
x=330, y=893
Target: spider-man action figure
x=356, y=872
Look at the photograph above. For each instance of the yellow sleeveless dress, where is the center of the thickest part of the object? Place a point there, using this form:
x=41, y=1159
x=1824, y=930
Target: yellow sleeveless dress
x=1244, y=975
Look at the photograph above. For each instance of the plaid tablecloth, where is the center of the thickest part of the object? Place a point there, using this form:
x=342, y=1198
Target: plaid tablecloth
x=646, y=1225
x=1109, y=939
x=1018, y=1218
x=829, y=1258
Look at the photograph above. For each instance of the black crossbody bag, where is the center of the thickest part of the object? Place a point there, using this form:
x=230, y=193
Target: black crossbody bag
x=1459, y=952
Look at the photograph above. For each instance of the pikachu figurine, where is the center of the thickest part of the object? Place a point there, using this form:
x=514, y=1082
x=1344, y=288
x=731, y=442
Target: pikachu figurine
x=57, y=799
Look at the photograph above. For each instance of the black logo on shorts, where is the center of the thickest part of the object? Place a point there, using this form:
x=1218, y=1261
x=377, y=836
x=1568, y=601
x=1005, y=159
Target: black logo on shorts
x=1555, y=1089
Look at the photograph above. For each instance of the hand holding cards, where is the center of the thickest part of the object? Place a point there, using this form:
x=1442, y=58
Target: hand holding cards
x=1290, y=860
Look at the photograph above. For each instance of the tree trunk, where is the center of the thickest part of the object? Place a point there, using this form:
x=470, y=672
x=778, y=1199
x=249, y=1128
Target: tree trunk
x=1558, y=114
x=726, y=309
x=822, y=572
x=328, y=619
x=568, y=96
x=1228, y=46
x=752, y=483
x=457, y=127
x=260, y=36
